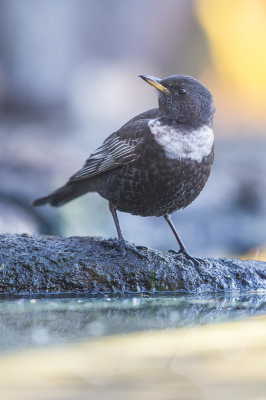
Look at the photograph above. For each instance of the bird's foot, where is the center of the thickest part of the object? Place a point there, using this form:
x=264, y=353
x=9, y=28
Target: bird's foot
x=122, y=246
x=183, y=252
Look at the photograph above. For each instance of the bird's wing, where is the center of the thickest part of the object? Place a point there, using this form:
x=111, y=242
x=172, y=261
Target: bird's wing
x=118, y=149
x=111, y=154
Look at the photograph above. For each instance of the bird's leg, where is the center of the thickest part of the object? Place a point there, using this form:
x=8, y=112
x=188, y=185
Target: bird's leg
x=117, y=225
x=123, y=245
x=182, y=250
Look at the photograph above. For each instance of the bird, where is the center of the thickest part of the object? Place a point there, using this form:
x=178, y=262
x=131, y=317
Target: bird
x=156, y=163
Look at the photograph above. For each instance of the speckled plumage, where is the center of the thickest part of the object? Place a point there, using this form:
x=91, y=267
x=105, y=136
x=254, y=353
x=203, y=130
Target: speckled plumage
x=153, y=184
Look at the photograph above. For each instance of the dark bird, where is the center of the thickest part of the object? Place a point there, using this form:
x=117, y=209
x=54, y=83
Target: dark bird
x=157, y=163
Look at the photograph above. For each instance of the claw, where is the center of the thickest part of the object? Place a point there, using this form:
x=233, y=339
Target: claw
x=122, y=246
x=183, y=252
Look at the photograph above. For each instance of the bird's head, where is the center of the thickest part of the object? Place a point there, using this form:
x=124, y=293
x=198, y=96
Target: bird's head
x=183, y=99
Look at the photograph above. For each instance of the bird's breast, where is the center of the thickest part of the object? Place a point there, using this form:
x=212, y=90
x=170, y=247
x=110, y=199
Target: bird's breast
x=177, y=143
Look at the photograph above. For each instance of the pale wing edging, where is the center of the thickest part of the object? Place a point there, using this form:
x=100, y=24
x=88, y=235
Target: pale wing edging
x=108, y=156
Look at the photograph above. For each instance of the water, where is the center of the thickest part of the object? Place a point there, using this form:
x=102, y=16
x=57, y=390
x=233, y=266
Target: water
x=141, y=347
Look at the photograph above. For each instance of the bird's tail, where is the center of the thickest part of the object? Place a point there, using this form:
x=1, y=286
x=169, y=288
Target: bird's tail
x=61, y=196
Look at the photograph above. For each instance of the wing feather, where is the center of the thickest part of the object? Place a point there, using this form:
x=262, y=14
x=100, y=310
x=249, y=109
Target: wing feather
x=118, y=149
x=111, y=154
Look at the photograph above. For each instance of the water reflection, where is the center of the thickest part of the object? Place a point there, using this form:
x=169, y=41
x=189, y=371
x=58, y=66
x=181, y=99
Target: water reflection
x=49, y=321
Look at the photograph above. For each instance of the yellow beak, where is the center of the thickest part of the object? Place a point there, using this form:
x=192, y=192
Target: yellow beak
x=154, y=82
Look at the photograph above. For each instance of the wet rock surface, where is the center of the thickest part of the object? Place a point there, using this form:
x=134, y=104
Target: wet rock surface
x=39, y=264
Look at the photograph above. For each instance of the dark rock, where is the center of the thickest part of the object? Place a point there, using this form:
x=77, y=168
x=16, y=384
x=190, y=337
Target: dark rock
x=30, y=264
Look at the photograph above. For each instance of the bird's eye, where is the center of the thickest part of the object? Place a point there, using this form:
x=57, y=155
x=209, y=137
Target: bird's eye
x=182, y=91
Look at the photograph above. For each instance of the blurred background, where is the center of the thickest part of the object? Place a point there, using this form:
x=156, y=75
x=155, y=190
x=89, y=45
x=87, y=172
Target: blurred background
x=69, y=77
